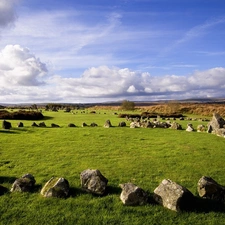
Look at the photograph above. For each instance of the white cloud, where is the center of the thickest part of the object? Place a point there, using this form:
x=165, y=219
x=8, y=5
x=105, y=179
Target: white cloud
x=7, y=13
x=19, y=67
x=102, y=83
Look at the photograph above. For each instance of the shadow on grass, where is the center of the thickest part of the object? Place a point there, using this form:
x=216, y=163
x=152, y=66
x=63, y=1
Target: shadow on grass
x=113, y=190
x=207, y=205
x=76, y=191
x=5, y=179
x=3, y=190
x=8, y=131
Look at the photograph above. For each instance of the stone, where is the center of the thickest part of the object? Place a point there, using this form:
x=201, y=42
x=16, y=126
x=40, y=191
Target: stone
x=219, y=132
x=20, y=124
x=216, y=122
x=190, y=127
x=56, y=187
x=210, y=189
x=71, y=125
x=84, y=125
x=93, y=181
x=93, y=125
x=122, y=124
x=135, y=125
x=173, y=196
x=24, y=184
x=34, y=124
x=42, y=124
x=201, y=128
x=107, y=124
x=6, y=125
x=176, y=126
x=54, y=125
x=133, y=195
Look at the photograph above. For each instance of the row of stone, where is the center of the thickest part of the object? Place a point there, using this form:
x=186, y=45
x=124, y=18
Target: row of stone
x=168, y=194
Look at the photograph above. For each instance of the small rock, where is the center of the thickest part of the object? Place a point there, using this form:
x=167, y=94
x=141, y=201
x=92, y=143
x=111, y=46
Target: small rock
x=133, y=195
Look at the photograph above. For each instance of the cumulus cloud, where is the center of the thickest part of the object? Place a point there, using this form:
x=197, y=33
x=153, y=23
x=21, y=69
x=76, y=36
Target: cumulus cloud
x=19, y=67
x=7, y=13
x=99, y=84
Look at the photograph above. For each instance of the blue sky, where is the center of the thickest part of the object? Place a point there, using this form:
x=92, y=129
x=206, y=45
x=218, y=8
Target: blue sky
x=96, y=51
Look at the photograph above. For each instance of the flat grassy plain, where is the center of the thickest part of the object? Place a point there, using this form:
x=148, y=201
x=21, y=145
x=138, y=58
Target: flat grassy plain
x=143, y=156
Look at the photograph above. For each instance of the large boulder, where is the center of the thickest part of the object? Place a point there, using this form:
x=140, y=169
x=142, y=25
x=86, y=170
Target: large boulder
x=71, y=125
x=216, y=122
x=173, y=196
x=107, y=124
x=6, y=125
x=34, y=124
x=56, y=187
x=210, y=189
x=93, y=181
x=24, y=184
x=133, y=195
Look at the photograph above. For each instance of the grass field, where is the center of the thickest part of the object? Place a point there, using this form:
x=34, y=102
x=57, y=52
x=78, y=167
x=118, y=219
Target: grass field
x=142, y=156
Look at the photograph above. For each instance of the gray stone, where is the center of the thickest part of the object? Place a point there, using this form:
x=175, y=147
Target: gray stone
x=24, y=184
x=56, y=187
x=20, y=124
x=93, y=181
x=190, y=127
x=122, y=124
x=216, y=122
x=176, y=126
x=42, y=124
x=210, y=189
x=6, y=125
x=200, y=128
x=173, y=196
x=107, y=124
x=54, y=125
x=133, y=195
x=93, y=125
x=34, y=124
x=71, y=125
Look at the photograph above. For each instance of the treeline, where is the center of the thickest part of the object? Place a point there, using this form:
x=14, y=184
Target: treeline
x=21, y=115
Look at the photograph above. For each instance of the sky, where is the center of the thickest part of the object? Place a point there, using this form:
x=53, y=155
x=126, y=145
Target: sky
x=93, y=51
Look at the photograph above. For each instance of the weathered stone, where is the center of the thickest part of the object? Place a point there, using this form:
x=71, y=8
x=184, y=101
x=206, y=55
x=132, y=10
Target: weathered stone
x=84, y=125
x=135, y=125
x=54, y=125
x=20, y=124
x=93, y=125
x=219, y=132
x=24, y=184
x=56, y=187
x=173, y=196
x=190, y=127
x=210, y=189
x=93, y=181
x=176, y=126
x=34, y=124
x=200, y=128
x=42, y=124
x=122, y=124
x=133, y=195
x=107, y=124
x=216, y=122
x=6, y=125
x=71, y=125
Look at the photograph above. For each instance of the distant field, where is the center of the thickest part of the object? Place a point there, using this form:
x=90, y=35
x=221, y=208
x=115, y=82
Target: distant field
x=144, y=156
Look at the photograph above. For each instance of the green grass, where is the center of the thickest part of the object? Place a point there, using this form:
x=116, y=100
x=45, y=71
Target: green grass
x=142, y=156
